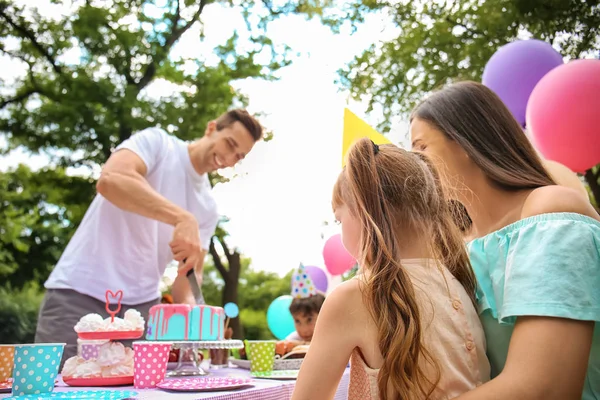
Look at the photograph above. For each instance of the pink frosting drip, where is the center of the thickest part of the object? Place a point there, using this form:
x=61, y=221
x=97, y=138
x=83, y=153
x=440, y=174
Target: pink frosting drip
x=184, y=310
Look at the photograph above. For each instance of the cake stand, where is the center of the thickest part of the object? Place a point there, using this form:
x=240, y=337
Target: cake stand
x=189, y=347
x=110, y=336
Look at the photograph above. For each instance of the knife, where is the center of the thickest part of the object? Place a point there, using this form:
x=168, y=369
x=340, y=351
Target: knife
x=196, y=289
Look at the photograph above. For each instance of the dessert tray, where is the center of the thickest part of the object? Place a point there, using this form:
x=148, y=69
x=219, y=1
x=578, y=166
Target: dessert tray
x=106, y=335
x=112, y=335
x=94, y=382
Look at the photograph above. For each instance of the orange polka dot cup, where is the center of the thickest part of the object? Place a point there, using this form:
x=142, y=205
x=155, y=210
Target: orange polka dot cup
x=7, y=360
x=149, y=363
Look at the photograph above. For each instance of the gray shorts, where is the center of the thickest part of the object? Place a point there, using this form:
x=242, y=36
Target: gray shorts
x=61, y=310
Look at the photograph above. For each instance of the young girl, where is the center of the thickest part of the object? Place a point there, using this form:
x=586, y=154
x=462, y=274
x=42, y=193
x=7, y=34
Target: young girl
x=535, y=248
x=407, y=321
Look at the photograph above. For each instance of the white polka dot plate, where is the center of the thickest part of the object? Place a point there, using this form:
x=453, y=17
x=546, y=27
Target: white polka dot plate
x=205, y=384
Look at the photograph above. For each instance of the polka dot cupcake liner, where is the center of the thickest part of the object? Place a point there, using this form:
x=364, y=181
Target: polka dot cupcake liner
x=149, y=363
x=88, y=349
x=262, y=355
x=7, y=355
x=36, y=368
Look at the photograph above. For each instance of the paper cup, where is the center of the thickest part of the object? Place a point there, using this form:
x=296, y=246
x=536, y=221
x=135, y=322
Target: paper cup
x=7, y=355
x=36, y=367
x=261, y=354
x=149, y=363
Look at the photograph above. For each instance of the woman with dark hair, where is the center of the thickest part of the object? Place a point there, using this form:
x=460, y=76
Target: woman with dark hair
x=535, y=248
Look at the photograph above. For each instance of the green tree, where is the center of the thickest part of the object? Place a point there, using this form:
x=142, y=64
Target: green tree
x=239, y=284
x=76, y=113
x=439, y=42
x=257, y=289
x=36, y=216
x=18, y=313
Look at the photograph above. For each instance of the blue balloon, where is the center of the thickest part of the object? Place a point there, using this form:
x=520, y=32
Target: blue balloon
x=279, y=318
x=231, y=310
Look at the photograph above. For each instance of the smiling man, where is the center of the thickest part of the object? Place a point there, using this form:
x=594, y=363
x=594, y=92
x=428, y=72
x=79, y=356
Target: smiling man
x=154, y=204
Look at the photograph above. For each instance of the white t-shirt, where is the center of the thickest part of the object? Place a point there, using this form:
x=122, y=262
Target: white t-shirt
x=119, y=250
x=294, y=337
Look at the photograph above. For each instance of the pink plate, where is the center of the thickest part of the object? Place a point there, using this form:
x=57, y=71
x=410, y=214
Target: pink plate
x=93, y=382
x=204, y=384
x=111, y=335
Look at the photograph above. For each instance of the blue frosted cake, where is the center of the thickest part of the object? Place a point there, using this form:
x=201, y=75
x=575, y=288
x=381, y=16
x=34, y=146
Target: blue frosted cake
x=179, y=322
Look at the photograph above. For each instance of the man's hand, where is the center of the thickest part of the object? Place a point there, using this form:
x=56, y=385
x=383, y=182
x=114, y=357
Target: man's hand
x=186, y=244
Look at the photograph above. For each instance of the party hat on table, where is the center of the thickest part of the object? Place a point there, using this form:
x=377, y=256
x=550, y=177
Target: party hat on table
x=302, y=285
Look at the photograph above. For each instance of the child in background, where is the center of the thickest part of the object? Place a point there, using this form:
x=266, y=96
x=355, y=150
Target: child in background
x=305, y=309
x=407, y=321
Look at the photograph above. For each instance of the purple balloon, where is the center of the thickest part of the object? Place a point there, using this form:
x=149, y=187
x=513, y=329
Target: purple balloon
x=318, y=277
x=515, y=69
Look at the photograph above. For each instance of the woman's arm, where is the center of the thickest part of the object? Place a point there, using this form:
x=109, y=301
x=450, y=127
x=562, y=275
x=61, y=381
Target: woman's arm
x=547, y=360
x=330, y=349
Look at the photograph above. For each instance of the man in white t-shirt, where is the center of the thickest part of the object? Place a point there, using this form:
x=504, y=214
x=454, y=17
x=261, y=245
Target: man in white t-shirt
x=154, y=204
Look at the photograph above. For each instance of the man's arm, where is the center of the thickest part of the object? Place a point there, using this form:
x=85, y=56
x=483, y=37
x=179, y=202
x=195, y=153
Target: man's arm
x=123, y=183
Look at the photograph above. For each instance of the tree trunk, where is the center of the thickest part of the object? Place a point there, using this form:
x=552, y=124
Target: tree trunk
x=230, y=292
x=592, y=180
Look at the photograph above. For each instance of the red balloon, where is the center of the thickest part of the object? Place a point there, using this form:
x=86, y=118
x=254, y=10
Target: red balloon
x=337, y=259
x=563, y=114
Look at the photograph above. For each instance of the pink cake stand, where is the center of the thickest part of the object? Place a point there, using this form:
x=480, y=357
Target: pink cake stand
x=190, y=349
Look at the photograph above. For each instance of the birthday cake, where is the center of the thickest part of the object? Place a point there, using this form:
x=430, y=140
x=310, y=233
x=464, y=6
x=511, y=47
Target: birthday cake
x=182, y=322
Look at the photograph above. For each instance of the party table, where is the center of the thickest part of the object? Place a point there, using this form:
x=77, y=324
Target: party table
x=263, y=389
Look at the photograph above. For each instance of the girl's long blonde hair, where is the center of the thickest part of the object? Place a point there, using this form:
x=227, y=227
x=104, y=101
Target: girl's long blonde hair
x=394, y=192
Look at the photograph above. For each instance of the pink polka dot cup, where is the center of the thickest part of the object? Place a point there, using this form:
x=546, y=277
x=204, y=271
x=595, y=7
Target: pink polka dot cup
x=149, y=363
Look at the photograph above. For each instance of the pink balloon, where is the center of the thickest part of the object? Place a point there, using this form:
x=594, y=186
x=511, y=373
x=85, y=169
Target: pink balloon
x=563, y=114
x=337, y=259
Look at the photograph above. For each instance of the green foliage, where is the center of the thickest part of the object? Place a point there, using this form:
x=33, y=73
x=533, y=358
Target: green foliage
x=257, y=289
x=255, y=324
x=350, y=274
x=439, y=42
x=18, y=313
x=592, y=178
x=37, y=210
